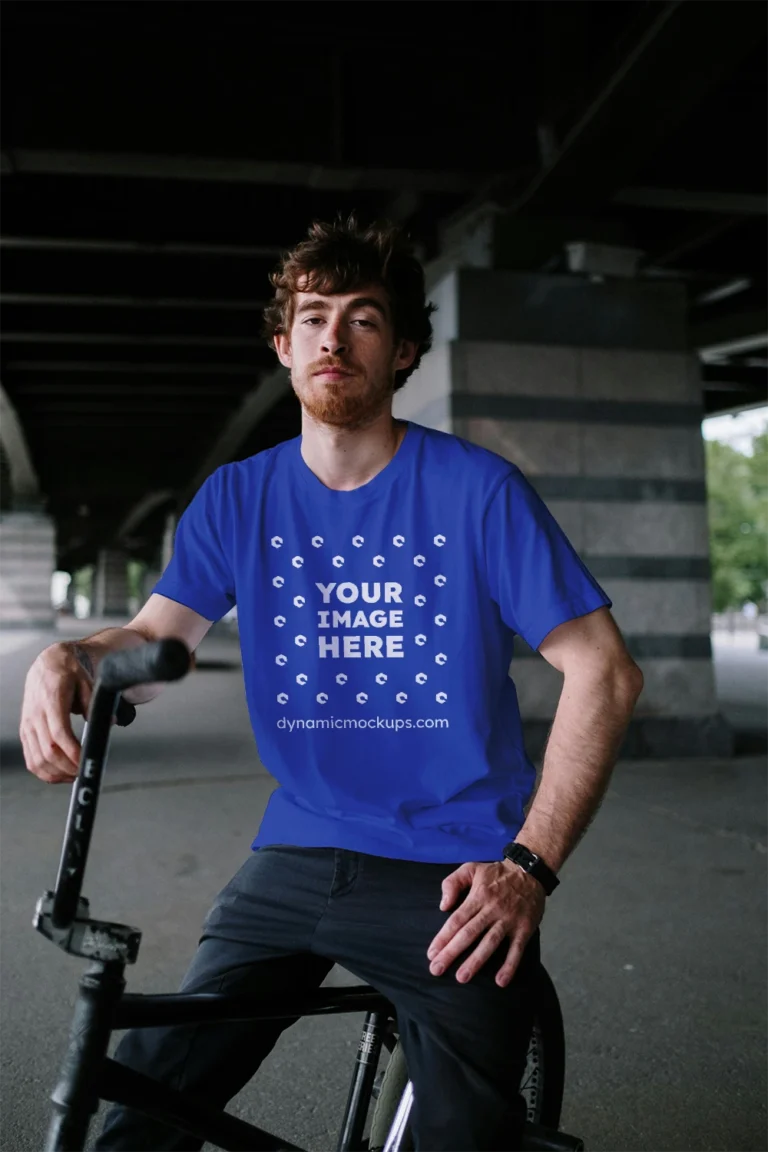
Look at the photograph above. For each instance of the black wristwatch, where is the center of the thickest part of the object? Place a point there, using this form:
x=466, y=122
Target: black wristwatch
x=532, y=863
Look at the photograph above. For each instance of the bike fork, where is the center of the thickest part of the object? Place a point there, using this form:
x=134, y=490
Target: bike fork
x=75, y=1098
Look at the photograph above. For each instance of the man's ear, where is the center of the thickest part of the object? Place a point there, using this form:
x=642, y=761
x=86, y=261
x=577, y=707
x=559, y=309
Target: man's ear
x=283, y=349
x=406, y=354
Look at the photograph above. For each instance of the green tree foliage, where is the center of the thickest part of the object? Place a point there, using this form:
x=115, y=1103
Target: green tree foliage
x=738, y=523
x=758, y=464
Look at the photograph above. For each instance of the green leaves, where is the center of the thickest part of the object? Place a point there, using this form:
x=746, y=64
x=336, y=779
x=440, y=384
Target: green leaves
x=738, y=523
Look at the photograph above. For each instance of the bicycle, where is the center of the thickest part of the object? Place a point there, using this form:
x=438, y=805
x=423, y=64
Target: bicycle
x=88, y=1075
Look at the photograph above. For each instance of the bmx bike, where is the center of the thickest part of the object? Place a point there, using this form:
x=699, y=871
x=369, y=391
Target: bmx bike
x=88, y=1075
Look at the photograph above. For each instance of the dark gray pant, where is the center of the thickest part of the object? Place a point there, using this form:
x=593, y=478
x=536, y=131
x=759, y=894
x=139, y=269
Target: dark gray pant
x=282, y=922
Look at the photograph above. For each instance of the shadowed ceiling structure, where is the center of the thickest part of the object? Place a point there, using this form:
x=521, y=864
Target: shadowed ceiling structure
x=156, y=159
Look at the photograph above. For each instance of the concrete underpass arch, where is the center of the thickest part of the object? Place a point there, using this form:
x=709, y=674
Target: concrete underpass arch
x=25, y=485
x=141, y=509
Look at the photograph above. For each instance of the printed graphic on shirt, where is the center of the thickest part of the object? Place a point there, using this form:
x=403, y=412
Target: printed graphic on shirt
x=362, y=624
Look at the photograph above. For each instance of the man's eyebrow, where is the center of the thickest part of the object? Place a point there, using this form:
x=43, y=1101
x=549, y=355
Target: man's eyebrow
x=311, y=306
x=359, y=302
x=369, y=302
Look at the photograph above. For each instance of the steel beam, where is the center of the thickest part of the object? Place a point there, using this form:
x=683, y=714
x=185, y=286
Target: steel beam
x=331, y=178
x=182, y=303
x=43, y=388
x=139, y=247
x=126, y=367
x=733, y=347
x=678, y=200
x=694, y=237
x=85, y=338
x=731, y=287
x=728, y=334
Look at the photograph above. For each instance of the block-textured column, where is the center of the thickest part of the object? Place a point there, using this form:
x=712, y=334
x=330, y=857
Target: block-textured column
x=589, y=389
x=151, y=577
x=110, y=584
x=27, y=561
x=169, y=532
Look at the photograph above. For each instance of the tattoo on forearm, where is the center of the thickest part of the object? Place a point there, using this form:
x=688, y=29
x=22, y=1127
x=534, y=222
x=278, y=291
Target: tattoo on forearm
x=83, y=658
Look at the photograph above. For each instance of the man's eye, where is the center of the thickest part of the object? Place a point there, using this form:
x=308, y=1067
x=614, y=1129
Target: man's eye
x=312, y=320
x=366, y=323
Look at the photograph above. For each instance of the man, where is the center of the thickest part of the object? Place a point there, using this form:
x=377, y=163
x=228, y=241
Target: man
x=381, y=571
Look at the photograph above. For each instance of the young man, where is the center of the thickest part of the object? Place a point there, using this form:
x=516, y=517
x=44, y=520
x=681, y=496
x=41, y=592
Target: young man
x=381, y=571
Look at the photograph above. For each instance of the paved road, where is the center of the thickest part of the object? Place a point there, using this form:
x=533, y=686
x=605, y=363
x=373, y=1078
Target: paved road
x=656, y=938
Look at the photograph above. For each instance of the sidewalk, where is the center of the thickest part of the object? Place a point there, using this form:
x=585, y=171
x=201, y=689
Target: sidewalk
x=655, y=939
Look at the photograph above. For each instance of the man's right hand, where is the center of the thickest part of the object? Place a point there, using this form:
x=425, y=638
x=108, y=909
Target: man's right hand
x=60, y=682
x=56, y=686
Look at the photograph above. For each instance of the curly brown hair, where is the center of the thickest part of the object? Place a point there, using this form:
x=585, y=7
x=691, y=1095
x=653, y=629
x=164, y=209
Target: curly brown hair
x=344, y=256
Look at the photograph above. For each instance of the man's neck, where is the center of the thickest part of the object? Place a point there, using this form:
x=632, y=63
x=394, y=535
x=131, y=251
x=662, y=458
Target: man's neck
x=343, y=459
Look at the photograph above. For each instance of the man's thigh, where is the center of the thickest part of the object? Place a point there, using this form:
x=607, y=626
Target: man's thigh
x=465, y=1044
x=255, y=942
x=273, y=903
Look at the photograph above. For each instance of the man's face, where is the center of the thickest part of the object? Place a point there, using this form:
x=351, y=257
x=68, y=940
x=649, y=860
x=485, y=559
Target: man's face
x=343, y=356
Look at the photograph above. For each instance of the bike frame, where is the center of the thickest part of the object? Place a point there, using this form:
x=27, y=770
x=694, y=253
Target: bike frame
x=88, y=1075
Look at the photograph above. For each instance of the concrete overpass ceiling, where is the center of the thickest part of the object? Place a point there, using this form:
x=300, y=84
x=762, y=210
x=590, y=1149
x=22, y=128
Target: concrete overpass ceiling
x=157, y=158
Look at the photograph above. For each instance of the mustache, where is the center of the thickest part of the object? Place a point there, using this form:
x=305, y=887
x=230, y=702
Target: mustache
x=330, y=366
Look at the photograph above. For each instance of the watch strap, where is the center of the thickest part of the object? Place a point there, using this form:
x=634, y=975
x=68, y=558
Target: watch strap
x=532, y=863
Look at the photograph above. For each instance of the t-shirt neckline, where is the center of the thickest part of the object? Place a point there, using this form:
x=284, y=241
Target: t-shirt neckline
x=377, y=486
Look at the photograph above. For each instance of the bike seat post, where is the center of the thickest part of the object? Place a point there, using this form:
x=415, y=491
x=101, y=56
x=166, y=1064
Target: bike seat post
x=76, y=1096
x=366, y=1062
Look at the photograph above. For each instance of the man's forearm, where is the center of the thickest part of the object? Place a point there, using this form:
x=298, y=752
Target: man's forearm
x=91, y=650
x=590, y=722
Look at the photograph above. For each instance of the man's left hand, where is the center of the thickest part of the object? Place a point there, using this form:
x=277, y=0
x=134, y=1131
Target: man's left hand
x=503, y=902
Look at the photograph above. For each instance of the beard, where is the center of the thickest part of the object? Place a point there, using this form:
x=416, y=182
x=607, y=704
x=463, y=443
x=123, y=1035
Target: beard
x=351, y=402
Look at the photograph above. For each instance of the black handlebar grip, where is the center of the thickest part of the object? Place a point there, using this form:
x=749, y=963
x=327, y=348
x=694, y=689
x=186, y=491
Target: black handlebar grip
x=153, y=663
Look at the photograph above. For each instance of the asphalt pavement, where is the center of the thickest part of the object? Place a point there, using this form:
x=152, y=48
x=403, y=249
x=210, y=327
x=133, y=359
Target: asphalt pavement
x=656, y=937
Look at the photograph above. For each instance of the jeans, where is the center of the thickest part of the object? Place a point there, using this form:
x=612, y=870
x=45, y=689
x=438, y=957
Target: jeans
x=282, y=922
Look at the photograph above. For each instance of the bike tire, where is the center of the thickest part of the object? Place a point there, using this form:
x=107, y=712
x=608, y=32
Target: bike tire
x=541, y=1085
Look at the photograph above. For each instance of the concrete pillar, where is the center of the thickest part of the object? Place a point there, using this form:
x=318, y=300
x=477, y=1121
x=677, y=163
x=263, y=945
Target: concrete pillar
x=110, y=584
x=151, y=577
x=27, y=563
x=169, y=532
x=589, y=388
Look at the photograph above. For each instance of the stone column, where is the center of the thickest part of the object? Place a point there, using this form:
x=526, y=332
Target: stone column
x=169, y=532
x=110, y=584
x=151, y=577
x=589, y=388
x=27, y=563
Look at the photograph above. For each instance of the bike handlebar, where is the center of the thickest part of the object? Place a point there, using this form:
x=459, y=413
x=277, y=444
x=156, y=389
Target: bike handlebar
x=155, y=662
x=162, y=660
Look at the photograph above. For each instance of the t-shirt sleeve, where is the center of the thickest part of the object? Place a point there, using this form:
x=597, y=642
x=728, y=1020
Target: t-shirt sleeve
x=535, y=575
x=199, y=574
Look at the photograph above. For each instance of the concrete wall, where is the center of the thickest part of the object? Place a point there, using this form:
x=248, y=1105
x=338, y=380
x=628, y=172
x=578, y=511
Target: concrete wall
x=589, y=388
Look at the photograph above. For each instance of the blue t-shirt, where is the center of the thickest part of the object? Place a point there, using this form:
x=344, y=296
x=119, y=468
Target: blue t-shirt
x=377, y=631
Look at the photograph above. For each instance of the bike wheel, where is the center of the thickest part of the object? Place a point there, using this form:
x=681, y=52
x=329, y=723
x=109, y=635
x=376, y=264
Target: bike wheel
x=541, y=1084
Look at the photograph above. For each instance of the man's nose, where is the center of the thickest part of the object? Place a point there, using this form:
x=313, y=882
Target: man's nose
x=334, y=342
